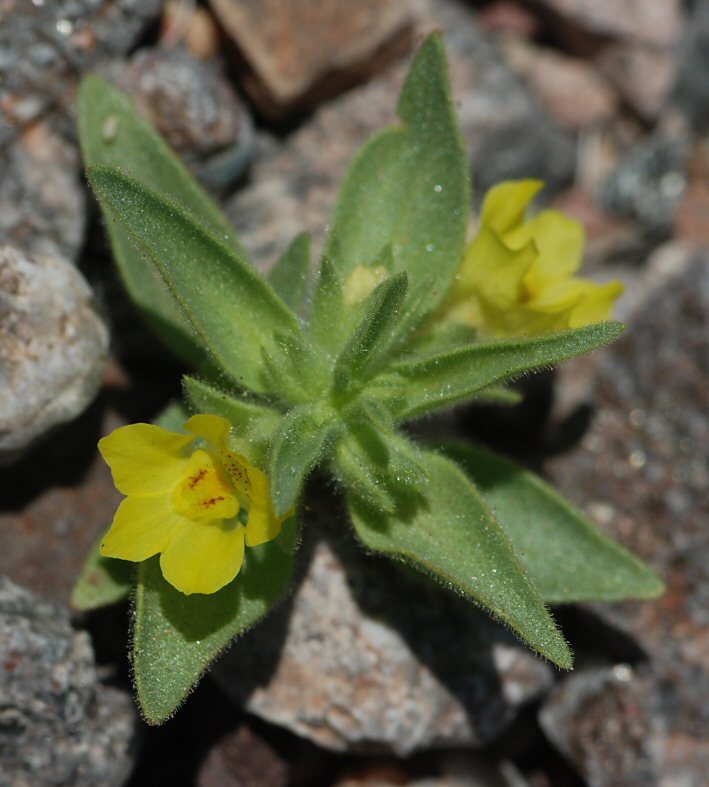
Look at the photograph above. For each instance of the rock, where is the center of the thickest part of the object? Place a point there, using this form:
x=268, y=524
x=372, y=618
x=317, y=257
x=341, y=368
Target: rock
x=193, y=106
x=648, y=183
x=648, y=21
x=53, y=346
x=58, y=725
x=42, y=200
x=691, y=222
x=241, y=758
x=692, y=86
x=289, y=67
x=641, y=471
x=605, y=722
x=570, y=88
x=44, y=46
x=643, y=75
x=294, y=182
x=504, y=16
x=191, y=24
x=367, y=658
x=634, y=42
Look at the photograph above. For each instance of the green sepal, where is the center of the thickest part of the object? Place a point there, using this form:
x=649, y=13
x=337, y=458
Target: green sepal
x=408, y=187
x=443, y=380
x=233, y=311
x=446, y=530
x=295, y=372
x=568, y=557
x=102, y=581
x=372, y=336
x=289, y=276
x=176, y=637
x=300, y=441
x=113, y=134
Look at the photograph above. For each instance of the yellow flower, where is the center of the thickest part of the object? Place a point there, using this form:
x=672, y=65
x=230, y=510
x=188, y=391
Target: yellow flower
x=518, y=277
x=196, y=505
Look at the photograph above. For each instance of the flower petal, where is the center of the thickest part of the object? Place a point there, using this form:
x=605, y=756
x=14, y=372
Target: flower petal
x=144, y=458
x=203, y=557
x=560, y=241
x=263, y=525
x=212, y=428
x=505, y=205
x=596, y=304
x=142, y=527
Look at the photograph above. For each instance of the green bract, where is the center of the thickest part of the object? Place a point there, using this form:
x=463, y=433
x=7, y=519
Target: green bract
x=322, y=373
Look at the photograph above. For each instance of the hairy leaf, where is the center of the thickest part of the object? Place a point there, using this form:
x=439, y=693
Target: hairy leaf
x=408, y=187
x=298, y=444
x=176, y=637
x=231, y=308
x=289, y=276
x=445, y=379
x=102, y=580
x=113, y=134
x=567, y=556
x=447, y=531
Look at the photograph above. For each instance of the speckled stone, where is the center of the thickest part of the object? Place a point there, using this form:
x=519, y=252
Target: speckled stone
x=641, y=471
x=42, y=198
x=368, y=658
x=45, y=46
x=294, y=182
x=58, y=725
x=193, y=106
x=53, y=346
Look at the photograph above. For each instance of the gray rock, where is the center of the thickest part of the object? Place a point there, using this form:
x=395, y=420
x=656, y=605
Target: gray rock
x=53, y=346
x=605, y=721
x=641, y=471
x=648, y=183
x=294, y=182
x=58, y=725
x=45, y=46
x=692, y=86
x=193, y=106
x=369, y=658
x=42, y=200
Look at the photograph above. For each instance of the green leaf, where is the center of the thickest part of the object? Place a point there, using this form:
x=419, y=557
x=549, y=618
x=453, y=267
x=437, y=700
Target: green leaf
x=113, y=134
x=289, y=276
x=231, y=308
x=446, y=530
x=300, y=441
x=409, y=187
x=567, y=555
x=373, y=334
x=295, y=372
x=446, y=379
x=328, y=319
x=176, y=637
x=102, y=581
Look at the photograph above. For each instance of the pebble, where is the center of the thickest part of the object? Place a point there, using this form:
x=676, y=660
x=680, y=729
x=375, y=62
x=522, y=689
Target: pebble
x=290, y=68
x=42, y=199
x=58, y=724
x=193, y=106
x=53, y=346
x=365, y=658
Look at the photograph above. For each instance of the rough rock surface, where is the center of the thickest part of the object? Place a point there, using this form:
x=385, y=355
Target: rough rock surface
x=290, y=67
x=589, y=712
x=648, y=183
x=693, y=87
x=58, y=726
x=53, y=346
x=45, y=46
x=294, y=183
x=194, y=108
x=641, y=470
x=42, y=200
x=369, y=658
